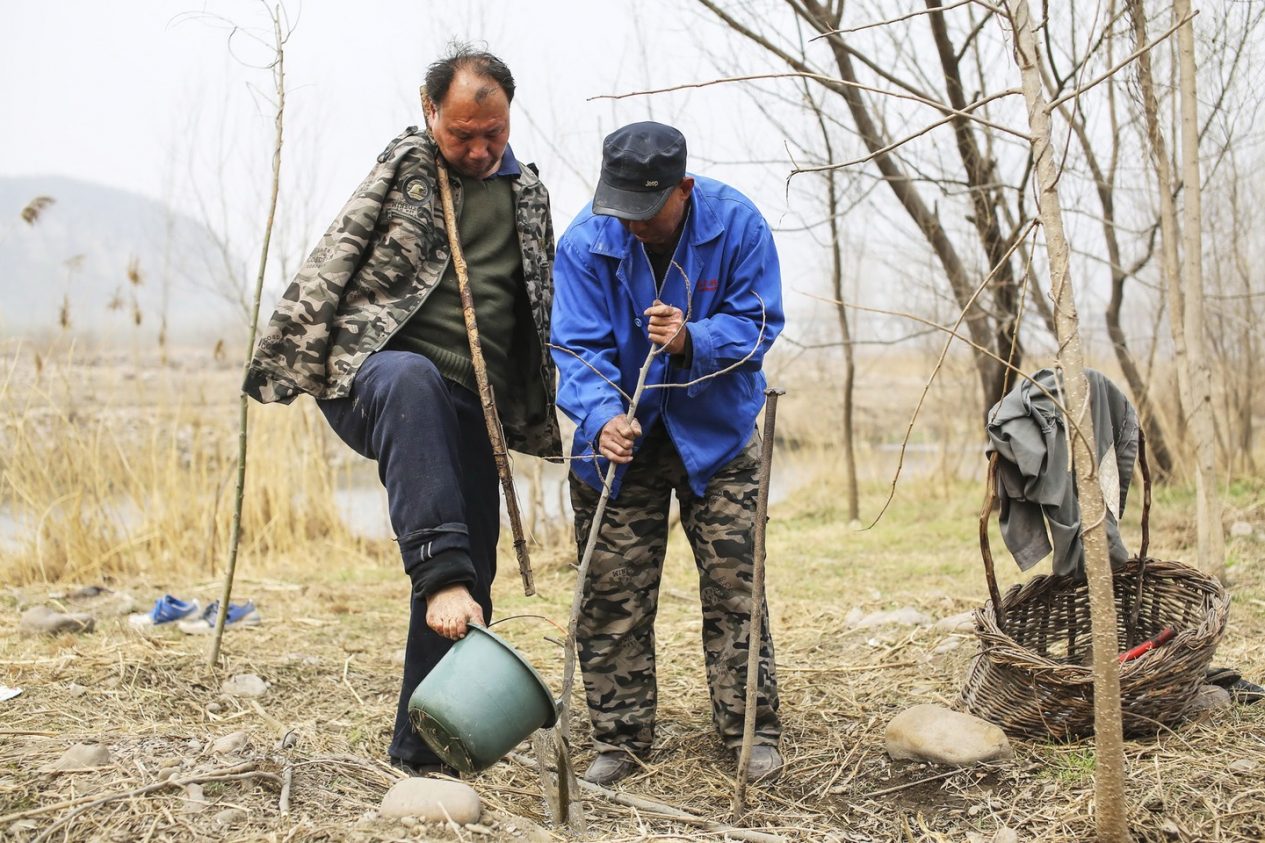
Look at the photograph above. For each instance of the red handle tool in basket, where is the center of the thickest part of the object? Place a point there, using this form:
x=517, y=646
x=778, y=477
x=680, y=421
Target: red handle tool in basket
x=1165, y=635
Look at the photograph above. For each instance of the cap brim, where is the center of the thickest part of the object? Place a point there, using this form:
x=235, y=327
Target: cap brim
x=635, y=205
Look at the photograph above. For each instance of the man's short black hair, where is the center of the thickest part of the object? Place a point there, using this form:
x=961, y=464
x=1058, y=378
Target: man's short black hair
x=461, y=56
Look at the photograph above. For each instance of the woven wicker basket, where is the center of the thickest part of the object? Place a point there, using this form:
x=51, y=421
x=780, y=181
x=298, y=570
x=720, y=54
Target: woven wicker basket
x=1032, y=676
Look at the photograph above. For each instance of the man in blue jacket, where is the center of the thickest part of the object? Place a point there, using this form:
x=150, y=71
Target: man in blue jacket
x=686, y=265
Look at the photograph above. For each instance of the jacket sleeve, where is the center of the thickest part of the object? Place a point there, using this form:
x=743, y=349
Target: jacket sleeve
x=750, y=315
x=585, y=350
x=290, y=356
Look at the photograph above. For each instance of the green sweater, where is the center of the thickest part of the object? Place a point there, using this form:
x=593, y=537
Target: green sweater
x=494, y=264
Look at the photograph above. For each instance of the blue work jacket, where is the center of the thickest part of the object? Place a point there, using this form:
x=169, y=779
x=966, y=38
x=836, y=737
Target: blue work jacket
x=603, y=284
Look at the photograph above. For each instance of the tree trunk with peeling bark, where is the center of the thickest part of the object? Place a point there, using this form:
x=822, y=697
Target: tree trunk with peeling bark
x=1109, y=805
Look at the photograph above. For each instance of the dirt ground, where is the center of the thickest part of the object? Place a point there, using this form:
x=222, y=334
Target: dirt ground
x=330, y=647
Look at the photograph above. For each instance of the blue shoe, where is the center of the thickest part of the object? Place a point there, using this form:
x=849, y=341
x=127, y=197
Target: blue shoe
x=238, y=615
x=167, y=609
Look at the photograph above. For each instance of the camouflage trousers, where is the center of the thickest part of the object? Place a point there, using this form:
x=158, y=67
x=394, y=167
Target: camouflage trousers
x=616, y=626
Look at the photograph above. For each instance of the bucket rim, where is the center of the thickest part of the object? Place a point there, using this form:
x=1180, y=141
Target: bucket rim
x=535, y=674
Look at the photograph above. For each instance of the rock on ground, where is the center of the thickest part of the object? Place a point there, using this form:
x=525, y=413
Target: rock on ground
x=229, y=817
x=1207, y=699
x=41, y=620
x=79, y=756
x=245, y=685
x=229, y=744
x=432, y=800
x=942, y=736
x=195, y=799
x=1240, y=529
x=962, y=622
x=904, y=616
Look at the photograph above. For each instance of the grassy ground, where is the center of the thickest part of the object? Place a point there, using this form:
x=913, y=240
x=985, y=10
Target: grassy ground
x=121, y=472
x=329, y=648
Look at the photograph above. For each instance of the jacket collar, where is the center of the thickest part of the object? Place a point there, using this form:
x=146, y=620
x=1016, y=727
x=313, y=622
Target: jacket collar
x=702, y=225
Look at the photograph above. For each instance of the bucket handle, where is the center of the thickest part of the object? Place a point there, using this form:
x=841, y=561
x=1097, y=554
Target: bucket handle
x=990, y=500
x=544, y=618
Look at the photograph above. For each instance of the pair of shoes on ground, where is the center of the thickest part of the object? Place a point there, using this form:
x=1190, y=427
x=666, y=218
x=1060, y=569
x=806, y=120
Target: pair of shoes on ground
x=190, y=617
x=167, y=610
x=611, y=766
x=1241, y=690
x=239, y=614
x=424, y=770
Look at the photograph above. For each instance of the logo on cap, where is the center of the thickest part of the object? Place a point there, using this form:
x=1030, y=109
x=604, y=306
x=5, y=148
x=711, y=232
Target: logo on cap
x=652, y=183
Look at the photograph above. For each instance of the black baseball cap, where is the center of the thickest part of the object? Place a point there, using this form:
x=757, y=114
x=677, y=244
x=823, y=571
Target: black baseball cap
x=641, y=163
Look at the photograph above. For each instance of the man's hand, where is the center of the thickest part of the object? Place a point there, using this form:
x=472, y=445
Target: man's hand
x=449, y=610
x=617, y=437
x=667, y=326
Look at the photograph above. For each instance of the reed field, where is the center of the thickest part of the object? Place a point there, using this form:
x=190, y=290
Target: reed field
x=117, y=470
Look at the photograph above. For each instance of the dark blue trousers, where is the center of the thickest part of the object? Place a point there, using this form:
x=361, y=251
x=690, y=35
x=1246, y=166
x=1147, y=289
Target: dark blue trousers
x=429, y=439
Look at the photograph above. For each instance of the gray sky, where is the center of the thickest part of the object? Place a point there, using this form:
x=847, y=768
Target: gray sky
x=148, y=96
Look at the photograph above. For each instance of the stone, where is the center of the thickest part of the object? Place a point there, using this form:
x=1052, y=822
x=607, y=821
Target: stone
x=229, y=817
x=79, y=756
x=1244, y=765
x=229, y=744
x=1207, y=699
x=941, y=736
x=1240, y=529
x=214, y=708
x=1006, y=835
x=41, y=620
x=74, y=689
x=948, y=645
x=167, y=771
x=963, y=622
x=195, y=800
x=432, y=800
x=245, y=685
x=120, y=603
x=904, y=616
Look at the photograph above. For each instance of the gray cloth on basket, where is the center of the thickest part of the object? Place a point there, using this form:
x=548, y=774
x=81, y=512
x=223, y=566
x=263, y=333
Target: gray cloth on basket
x=1036, y=485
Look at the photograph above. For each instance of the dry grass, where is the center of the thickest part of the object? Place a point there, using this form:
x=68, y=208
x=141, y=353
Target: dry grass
x=335, y=618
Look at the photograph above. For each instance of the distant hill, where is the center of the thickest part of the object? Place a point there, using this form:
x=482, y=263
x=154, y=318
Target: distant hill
x=82, y=249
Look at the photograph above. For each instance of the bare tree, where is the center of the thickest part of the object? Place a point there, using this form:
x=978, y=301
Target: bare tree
x=1211, y=538
x=992, y=318
x=280, y=35
x=1110, y=813
x=1192, y=376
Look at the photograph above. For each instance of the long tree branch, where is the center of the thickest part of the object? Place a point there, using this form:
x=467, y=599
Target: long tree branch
x=821, y=77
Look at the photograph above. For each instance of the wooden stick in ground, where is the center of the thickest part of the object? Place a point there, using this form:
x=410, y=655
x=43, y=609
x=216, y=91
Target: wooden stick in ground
x=278, y=76
x=577, y=596
x=562, y=737
x=755, y=631
x=495, y=435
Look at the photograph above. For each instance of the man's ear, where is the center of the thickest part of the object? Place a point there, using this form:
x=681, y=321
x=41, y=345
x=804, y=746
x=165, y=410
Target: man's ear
x=687, y=185
x=429, y=111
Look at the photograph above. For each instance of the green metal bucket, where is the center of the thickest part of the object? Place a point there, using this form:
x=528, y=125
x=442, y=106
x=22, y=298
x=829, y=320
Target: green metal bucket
x=479, y=701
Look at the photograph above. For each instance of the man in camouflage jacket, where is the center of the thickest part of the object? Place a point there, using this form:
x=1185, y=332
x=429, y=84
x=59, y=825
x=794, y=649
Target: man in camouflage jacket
x=372, y=328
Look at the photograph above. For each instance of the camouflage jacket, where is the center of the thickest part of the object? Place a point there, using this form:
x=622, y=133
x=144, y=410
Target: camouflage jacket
x=373, y=269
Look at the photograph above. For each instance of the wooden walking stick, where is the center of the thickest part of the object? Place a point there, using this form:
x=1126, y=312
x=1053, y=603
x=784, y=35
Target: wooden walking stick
x=495, y=435
x=755, y=636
